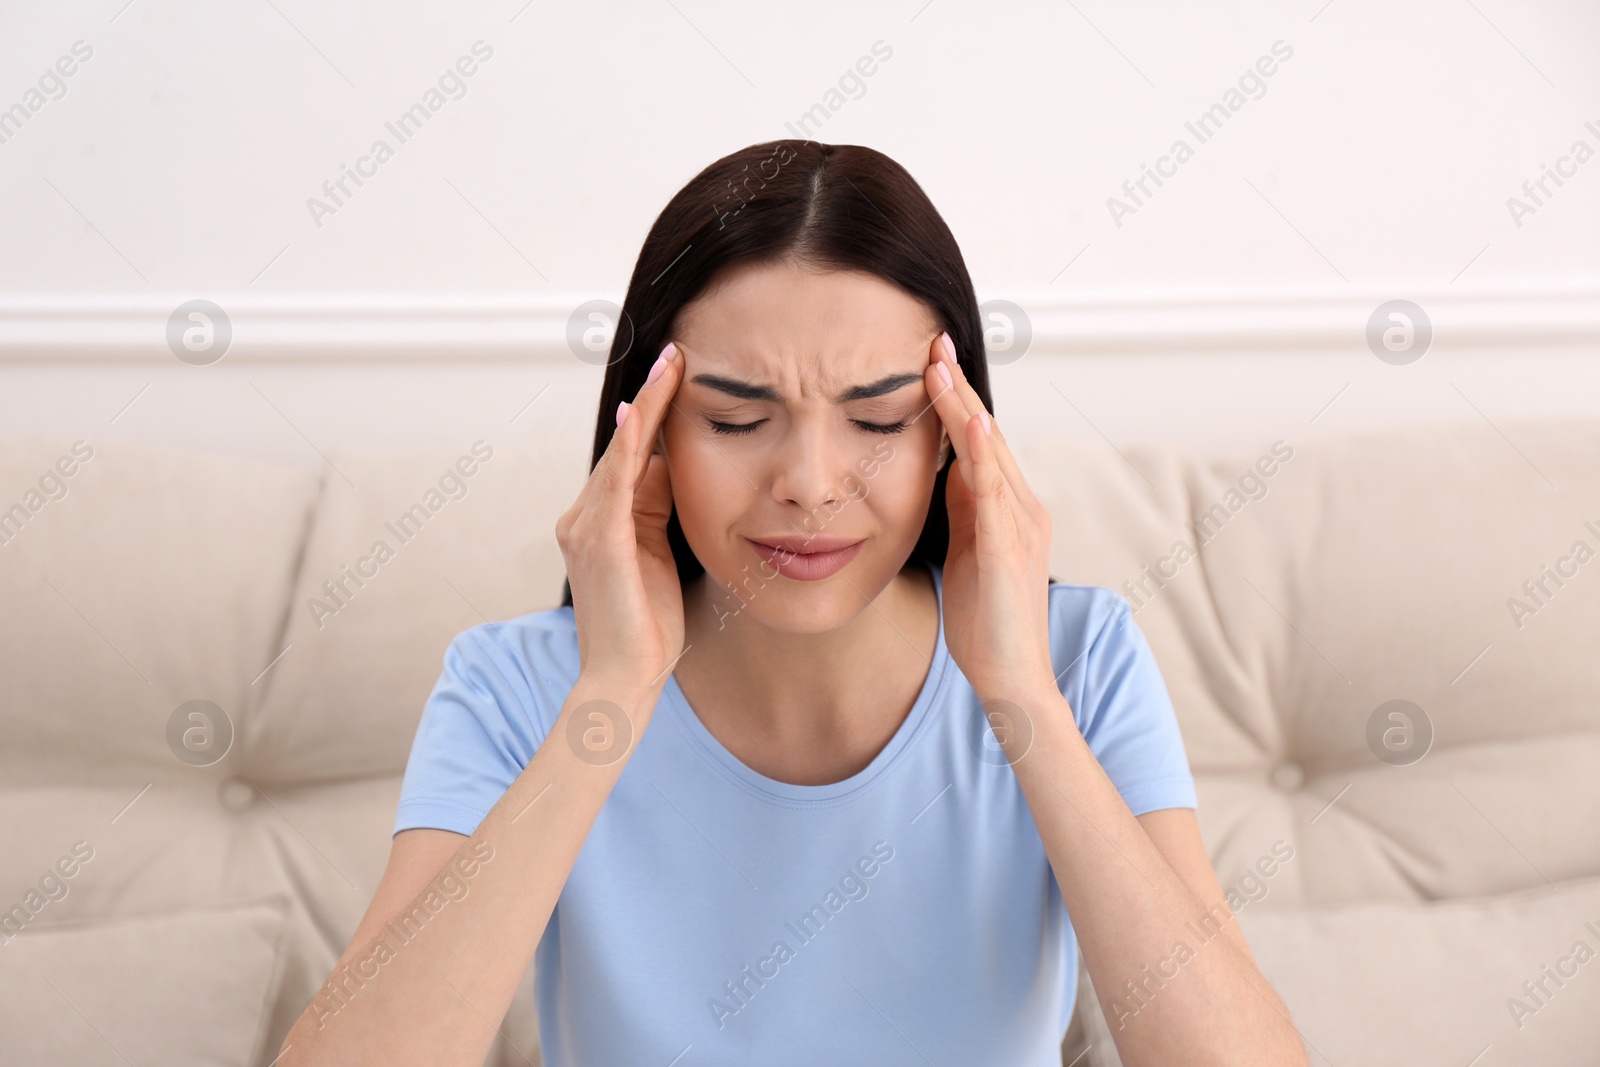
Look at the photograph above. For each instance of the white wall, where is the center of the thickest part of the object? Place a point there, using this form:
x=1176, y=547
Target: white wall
x=1228, y=309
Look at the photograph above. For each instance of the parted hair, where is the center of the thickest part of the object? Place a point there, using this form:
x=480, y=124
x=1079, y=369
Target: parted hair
x=828, y=207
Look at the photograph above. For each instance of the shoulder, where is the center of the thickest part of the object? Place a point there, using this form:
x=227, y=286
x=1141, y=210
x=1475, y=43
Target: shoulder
x=534, y=656
x=1100, y=655
x=499, y=692
x=1085, y=615
x=1109, y=675
x=538, y=635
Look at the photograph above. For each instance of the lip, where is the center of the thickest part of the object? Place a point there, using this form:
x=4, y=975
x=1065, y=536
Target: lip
x=807, y=559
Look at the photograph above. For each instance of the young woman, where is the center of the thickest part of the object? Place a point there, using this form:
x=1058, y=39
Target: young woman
x=901, y=775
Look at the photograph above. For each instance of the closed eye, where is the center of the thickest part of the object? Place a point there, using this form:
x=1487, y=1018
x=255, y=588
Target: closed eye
x=882, y=427
x=751, y=427
x=735, y=428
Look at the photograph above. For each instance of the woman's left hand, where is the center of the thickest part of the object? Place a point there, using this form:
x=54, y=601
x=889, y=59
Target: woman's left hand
x=997, y=573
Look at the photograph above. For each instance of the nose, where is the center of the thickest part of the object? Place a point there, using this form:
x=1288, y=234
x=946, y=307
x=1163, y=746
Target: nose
x=811, y=465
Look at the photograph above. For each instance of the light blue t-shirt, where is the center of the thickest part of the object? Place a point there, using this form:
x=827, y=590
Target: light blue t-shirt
x=907, y=914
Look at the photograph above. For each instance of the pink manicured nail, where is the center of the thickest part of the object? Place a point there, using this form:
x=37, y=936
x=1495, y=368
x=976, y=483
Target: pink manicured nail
x=944, y=372
x=656, y=368
x=949, y=347
x=622, y=413
x=983, y=417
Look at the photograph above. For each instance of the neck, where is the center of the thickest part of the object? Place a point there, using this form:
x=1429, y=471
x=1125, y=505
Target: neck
x=799, y=688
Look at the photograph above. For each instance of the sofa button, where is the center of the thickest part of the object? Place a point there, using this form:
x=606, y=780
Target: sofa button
x=1287, y=775
x=236, y=794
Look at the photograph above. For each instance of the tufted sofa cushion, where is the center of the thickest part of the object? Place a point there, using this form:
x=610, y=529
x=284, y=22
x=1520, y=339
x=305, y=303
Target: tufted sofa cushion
x=1371, y=568
x=1343, y=573
x=142, y=580
x=406, y=551
x=208, y=1006
x=1326, y=580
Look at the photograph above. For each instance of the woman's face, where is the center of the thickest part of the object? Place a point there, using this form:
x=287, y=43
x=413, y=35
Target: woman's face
x=802, y=416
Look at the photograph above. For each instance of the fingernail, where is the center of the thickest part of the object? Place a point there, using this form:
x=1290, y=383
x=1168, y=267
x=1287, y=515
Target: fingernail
x=983, y=417
x=622, y=413
x=670, y=352
x=656, y=368
x=949, y=346
x=944, y=372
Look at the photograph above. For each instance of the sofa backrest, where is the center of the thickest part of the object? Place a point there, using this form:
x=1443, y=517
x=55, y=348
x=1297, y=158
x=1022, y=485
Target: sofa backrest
x=1452, y=568
x=1291, y=595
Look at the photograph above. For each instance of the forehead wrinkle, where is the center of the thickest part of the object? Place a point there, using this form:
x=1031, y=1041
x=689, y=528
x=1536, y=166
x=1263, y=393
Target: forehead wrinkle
x=740, y=389
x=786, y=360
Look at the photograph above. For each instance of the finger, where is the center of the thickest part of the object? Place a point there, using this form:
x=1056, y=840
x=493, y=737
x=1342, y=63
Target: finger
x=1009, y=466
x=972, y=404
x=949, y=405
x=623, y=467
x=652, y=498
x=638, y=433
x=651, y=404
x=996, y=531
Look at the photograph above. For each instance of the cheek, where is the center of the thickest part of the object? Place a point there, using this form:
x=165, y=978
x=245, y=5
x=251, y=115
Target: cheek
x=895, y=480
x=892, y=476
x=706, y=489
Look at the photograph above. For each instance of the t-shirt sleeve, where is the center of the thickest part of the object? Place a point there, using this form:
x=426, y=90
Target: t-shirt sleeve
x=480, y=727
x=1125, y=714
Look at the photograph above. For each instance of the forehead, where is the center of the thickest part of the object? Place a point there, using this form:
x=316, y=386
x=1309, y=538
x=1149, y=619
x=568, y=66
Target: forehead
x=804, y=330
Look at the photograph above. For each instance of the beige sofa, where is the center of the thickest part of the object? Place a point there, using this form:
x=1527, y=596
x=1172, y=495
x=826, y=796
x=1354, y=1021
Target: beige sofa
x=166, y=905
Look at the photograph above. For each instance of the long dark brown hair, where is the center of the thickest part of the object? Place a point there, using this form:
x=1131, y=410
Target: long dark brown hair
x=836, y=207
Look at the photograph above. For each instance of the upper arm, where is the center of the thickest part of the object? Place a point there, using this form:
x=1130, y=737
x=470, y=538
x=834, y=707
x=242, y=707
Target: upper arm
x=415, y=858
x=1176, y=834
x=480, y=727
x=1120, y=702
x=473, y=739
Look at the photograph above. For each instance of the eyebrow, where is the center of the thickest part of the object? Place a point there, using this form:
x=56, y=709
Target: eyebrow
x=743, y=390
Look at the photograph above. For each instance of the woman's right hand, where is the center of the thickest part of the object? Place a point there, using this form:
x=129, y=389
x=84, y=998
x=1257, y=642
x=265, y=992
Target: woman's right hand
x=626, y=597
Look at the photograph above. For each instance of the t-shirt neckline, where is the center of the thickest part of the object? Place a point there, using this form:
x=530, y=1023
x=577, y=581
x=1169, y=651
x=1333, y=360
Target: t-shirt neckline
x=713, y=750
